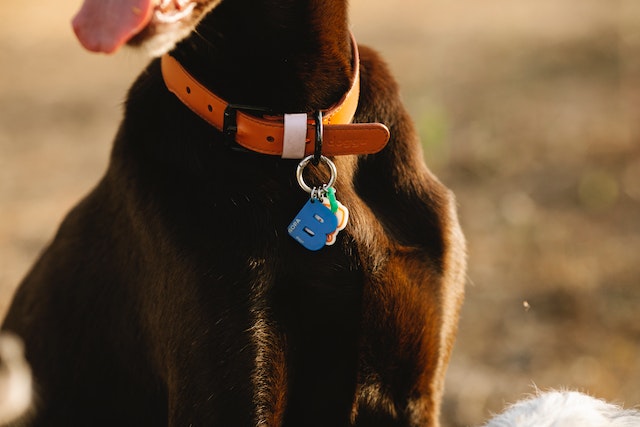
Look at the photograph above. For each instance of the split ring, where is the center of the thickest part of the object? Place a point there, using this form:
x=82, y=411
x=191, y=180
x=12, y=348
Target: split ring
x=303, y=164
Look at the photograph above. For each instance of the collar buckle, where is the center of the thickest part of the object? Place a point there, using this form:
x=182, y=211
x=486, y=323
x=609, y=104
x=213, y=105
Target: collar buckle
x=230, y=123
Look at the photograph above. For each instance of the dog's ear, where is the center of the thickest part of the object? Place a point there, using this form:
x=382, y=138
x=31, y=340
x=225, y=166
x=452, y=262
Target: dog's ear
x=156, y=25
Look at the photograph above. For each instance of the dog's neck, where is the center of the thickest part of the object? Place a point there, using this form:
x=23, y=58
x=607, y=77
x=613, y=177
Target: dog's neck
x=292, y=55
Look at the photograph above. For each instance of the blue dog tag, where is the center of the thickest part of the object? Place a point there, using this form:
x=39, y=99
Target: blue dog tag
x=312, y=225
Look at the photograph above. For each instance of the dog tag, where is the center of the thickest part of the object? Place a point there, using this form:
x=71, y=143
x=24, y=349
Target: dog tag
x=313, y=225
x=339, y=210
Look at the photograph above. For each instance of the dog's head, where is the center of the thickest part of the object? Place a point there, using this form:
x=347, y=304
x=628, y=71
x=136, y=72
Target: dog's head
x=155, y=25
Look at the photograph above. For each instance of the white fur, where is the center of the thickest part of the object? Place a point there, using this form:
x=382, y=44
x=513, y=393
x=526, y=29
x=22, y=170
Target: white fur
x=15, y=379
x=565, y=409
x=163, y=41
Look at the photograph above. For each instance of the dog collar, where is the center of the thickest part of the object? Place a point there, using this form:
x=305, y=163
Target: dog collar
x=270, y=134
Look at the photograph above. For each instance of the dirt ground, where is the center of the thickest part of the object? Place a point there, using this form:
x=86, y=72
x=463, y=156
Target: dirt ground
x=529, y=110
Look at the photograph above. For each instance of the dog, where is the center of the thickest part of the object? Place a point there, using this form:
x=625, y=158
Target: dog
x=174, y=294
x=565, y=409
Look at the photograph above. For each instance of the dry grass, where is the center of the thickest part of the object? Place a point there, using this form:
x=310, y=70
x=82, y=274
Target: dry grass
x=530, y=111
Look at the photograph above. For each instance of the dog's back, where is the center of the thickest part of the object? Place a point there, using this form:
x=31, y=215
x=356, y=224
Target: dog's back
x=173, y=294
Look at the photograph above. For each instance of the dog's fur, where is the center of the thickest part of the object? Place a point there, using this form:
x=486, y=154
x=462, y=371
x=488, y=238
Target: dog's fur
x=565, y=409
x=15, y=379
x=172, y=293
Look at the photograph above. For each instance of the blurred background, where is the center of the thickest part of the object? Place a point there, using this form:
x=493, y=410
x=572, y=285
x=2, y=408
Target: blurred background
x=529, y=110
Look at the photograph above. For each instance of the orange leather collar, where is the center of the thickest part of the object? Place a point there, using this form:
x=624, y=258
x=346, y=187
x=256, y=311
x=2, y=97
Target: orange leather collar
x=266, y=134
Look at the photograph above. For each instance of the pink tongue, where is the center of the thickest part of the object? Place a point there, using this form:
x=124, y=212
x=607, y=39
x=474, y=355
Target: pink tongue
x=105, y=25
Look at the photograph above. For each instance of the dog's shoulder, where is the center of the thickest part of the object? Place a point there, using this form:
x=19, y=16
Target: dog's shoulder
x=379, y=91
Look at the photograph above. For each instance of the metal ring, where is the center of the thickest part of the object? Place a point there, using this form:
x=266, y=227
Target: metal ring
x=317, y=152
x=303, y=164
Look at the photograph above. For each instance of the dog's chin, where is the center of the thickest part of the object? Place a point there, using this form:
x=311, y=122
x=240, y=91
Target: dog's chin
x=164, y=31
x=156, y=42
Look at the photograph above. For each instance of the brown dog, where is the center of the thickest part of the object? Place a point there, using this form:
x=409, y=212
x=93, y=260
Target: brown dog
x=172, y=294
